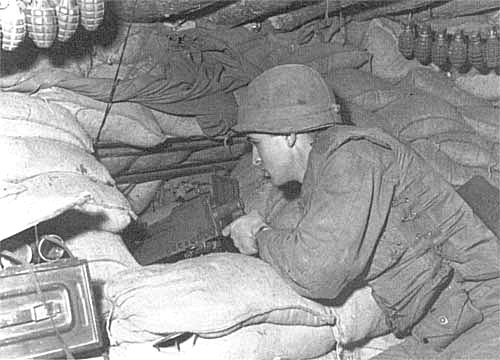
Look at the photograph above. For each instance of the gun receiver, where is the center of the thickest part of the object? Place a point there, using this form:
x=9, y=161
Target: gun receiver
x=194, y=227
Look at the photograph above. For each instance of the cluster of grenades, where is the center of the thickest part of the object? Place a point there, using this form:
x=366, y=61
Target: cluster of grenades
x=455, y=52
x=47, y=20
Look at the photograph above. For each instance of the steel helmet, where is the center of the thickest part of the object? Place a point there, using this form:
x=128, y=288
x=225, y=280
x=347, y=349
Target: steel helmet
x=289, y=98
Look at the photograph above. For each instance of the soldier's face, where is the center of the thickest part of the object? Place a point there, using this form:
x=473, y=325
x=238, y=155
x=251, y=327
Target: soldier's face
x=273, y=155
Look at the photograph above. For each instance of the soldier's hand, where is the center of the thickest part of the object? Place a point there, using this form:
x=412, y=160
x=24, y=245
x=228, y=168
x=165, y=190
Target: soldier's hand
x=243, y=231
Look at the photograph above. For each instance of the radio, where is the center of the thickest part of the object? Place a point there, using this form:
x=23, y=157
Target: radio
x=47, y=310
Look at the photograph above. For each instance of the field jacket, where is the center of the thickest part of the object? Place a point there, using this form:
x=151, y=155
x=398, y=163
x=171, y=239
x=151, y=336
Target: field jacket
x=373, y=210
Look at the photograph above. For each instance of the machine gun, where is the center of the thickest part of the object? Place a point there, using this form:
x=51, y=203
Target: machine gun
x=195, y=226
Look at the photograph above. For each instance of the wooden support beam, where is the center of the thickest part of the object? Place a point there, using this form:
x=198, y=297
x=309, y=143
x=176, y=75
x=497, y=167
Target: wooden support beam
x=226, y=12
x=293, y=19
x=456, y=8
x=147, y=11
x=401, y=6
x=245, y=11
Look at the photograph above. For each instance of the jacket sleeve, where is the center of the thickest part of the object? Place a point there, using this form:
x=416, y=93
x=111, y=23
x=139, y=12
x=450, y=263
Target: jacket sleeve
x=333, y=241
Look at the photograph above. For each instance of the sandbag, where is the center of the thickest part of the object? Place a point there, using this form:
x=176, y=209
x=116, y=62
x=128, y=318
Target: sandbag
x=363, y=89
x=174, y=125
x=126, y=123
x=210, y=295
x=107, y=255
x=45, y=196
x=143, y=41
x=359, y=318
x=471, y=155
x=323, y=57
x=30, y=116
x=485, y=120
x=438, y=85
x=364, y=351
x=255, y=342
x=450, y=170
x=468, y=153
x=382, y=42
x=359, y=116
x=483, y=86
x=421, y=115
x=343, y=59
x=28, y=157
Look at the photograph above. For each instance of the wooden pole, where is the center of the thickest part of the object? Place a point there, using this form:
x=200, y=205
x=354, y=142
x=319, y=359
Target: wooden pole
x=398, y=7
x=293, y=19
x=226, y=12
x=456, y=8
x=245, y=11
x=147, y=11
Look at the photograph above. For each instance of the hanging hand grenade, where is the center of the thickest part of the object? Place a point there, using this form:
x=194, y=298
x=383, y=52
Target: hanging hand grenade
x=68, y=18
x=406, y=40
x=41, y=21
x=439, y=53
x=423, y=44
x=13, y=25
x=475, y=52
x=492, y=50
x=91, y=13
x=458, y=51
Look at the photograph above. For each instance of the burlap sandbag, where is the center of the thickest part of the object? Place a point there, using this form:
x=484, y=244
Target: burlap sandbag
x=483, y=86
x=421, y=115
x=174, y=125
x=382, y=42
x=359, y=318
x=107, y=255
x=126, y=123
x=210, y=295
x=362, y=88
x=438, y=85
x=45, y=196
x=450, y=170
x=485, y=120
x=364, y=351
x=459, y=157
x=27, y=157
x=25, y=115
x=469, y=149
x=255, y=342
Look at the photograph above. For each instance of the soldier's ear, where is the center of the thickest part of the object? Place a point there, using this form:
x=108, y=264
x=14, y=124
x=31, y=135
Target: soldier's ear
x=291, y=139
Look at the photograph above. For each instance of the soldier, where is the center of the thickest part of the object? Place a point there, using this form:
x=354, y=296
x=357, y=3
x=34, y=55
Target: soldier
x=370, y=212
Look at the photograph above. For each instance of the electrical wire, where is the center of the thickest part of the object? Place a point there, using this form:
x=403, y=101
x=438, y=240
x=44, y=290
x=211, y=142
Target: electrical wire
x=115, y=82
